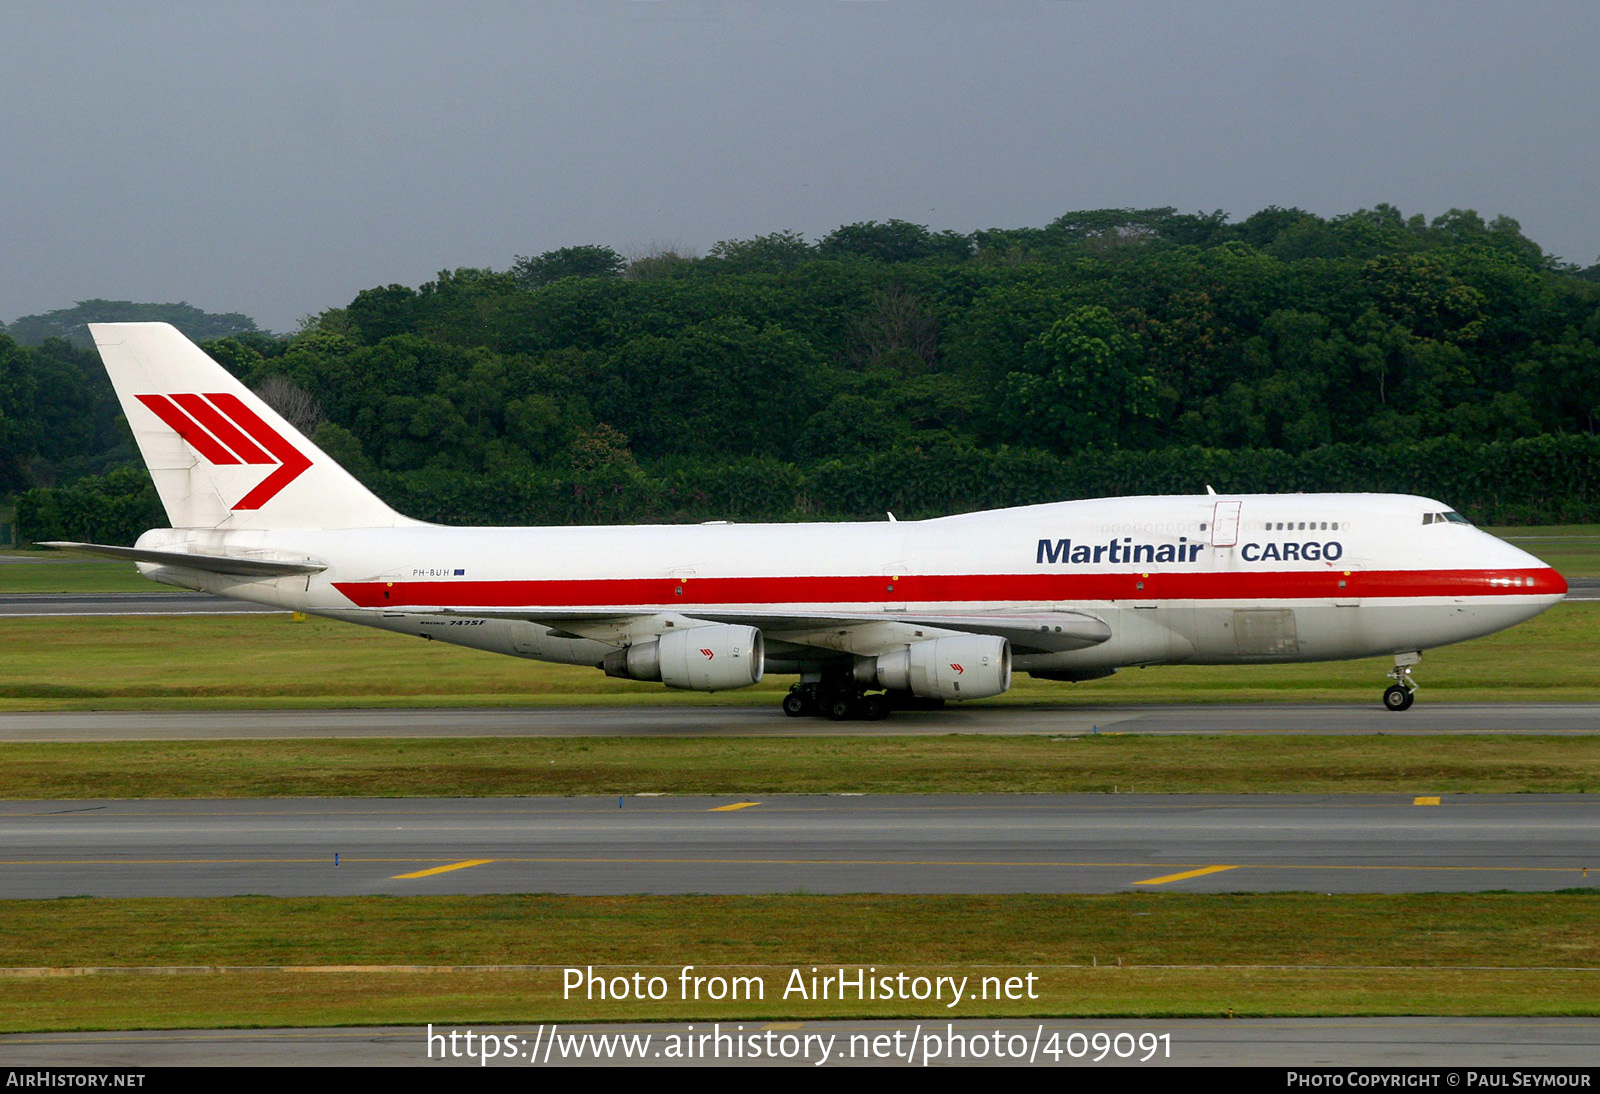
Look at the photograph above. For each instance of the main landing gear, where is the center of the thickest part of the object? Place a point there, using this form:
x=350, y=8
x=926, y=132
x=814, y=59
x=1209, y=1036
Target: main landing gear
x=1403, y=692
x=841, y=701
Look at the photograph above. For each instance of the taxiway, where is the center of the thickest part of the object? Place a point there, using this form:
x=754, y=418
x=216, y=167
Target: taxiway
x=935, y=843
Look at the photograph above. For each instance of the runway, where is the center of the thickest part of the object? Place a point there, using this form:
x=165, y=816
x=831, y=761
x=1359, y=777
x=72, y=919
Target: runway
x=1065, y=718
x=1453, y=1044
x=811, y=843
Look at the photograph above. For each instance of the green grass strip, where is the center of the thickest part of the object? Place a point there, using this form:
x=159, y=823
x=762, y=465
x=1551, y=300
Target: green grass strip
x=168, y=662
x=500, y=767
x=53, y=572
x=1123, y=954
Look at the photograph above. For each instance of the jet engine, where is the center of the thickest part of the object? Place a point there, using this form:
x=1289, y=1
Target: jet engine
x=718, y=657
x=968, y=666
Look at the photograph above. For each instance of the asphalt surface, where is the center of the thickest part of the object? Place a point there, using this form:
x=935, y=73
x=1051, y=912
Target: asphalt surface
x=1452, y=1044
x=791, y=843
x=1423, y=719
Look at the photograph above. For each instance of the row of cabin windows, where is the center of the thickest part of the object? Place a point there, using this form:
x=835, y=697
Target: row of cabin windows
x=1304, y=526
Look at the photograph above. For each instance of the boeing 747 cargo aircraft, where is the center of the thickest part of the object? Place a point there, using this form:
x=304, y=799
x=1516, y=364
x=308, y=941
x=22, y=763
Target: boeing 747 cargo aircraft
x=869, y=616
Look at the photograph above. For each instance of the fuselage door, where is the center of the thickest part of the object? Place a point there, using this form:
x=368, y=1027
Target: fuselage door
x=1225, y=524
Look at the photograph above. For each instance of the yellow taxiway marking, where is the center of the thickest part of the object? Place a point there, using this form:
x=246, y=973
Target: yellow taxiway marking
x=775, y=1026
x=443, y=869
x=1186, y=874
x=1425, y=801
x=708, y=861
x=730, y=808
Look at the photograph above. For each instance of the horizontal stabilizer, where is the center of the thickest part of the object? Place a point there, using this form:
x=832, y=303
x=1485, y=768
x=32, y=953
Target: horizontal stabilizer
x=216, y=564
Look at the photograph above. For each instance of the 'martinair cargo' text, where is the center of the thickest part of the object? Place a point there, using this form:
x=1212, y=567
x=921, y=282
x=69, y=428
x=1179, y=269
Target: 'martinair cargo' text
x=1117, y=551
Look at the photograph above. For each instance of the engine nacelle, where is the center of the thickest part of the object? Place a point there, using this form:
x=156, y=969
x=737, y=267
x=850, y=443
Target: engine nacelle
x=719, y=657
x=968, y=666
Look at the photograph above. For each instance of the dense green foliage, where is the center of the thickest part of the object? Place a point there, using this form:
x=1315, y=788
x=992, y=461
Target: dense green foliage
x=72, y=323
x=58, y=415
x=888, y=366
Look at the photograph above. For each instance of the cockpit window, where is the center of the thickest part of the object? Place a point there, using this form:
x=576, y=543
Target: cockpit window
x=1455, y=518
x=1445, y=518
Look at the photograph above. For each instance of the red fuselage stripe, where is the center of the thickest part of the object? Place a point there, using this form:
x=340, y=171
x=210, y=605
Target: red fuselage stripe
x=955, y=588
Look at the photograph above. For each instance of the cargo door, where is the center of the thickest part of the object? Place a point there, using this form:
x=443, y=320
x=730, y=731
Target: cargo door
x=1225, y=524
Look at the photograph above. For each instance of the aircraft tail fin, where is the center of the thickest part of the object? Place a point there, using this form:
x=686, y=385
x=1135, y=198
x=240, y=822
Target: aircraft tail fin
x=219, y=455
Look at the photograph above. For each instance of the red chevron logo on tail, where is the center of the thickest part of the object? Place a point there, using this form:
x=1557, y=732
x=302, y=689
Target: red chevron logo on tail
x=224, y=431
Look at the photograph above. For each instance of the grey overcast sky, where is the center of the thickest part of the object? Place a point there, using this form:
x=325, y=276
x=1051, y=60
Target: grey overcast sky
x=276, y=158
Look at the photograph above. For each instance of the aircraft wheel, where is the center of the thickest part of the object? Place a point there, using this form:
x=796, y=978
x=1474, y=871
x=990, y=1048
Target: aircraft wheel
x=840, y=708
x=874, y=708
x=796, y=705
x=1398, y=698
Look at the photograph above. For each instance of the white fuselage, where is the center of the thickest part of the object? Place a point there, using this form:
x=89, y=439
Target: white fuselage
x=1187, y=579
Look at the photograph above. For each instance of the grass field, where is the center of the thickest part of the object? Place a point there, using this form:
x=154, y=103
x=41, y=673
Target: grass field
x=175, y=662
x=47, y=573
x=337, y=961
x=1573, y=549
x=967, y=763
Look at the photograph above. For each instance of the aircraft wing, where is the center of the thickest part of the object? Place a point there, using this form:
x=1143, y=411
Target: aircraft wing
x=867, y=633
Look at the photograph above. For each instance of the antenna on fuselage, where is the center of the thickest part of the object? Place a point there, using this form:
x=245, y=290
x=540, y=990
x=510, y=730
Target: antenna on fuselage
x=1210, y=491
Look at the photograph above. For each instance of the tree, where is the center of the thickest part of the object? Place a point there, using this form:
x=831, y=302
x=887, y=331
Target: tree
x=893, y=241
x=763, y=254
x=377, y=314
x=898, y=332
x=850, y=426
x=73, y=323
x=656, y=261
x=721, y=388
x=588, y=260
x=1263, y=228
x=292, y=401
x=1083, y=384
x=19, y=431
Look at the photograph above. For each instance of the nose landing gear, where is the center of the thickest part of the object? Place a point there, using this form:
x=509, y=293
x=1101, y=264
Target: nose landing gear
x=1402, y=693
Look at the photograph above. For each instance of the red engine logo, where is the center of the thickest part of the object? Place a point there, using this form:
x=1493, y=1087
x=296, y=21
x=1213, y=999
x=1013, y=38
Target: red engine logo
x=708, y=653
x=957, y=667
x=225, y=431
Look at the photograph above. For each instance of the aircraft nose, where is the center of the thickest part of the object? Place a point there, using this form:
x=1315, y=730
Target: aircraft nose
x=1542, y=579
x=1551, y=581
